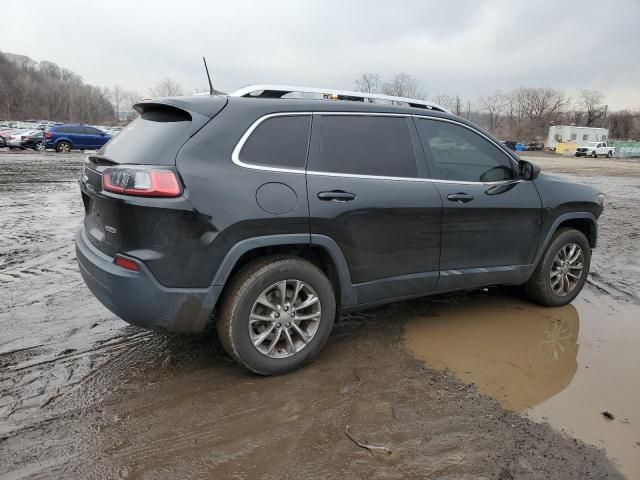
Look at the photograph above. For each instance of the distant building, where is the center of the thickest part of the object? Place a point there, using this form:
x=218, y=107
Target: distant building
x=578, y=135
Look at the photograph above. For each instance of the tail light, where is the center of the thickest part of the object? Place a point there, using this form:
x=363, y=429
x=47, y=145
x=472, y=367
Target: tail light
x=48, y=134
x=24, y=139
x=127, y=263
x=143, y=182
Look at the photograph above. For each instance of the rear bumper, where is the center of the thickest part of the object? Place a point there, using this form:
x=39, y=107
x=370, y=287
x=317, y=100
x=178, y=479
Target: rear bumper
x=138, y=298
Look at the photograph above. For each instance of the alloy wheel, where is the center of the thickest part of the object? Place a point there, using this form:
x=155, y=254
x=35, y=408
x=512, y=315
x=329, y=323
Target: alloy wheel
x=284, y=318
x=566, y=269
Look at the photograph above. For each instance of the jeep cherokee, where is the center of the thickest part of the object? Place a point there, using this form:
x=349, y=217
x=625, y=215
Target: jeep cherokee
x=271, y=215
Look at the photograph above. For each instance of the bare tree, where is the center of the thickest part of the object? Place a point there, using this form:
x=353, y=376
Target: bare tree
x=402, y=85
x=368, y=83
x=494, y=105
x=592, y=102
x=117, y=97
x=166, y=88
x=445, y=100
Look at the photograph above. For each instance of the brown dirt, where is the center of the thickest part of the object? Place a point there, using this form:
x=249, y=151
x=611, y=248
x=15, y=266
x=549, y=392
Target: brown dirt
x=83, y=395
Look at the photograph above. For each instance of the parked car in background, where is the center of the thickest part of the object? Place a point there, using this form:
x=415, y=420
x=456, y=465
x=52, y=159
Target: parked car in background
x=520, y=147
x=5, y=133
x=15, y=139
x=593, y=149
x=511, y=145
x=33, y=139
x=67, y=137
x=374, y=204
x=534, y=146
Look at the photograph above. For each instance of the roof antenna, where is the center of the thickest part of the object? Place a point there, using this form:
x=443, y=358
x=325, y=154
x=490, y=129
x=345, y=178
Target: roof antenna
x=208, y=76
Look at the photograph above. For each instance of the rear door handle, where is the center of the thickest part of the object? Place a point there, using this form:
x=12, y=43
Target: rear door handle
x=460, y=197
x=337, y=196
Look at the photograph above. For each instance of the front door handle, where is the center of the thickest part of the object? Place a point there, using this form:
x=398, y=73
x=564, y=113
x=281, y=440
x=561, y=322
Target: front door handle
x=460, y=197
x=337, y=196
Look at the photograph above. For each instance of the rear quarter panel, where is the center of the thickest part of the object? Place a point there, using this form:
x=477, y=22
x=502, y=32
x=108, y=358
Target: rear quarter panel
x=225, y=193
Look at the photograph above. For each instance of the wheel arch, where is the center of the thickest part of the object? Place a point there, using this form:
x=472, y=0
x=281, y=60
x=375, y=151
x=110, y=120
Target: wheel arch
x=584, y=222
x=320, y=250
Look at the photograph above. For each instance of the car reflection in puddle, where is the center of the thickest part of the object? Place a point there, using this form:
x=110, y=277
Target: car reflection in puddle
x=517, y=352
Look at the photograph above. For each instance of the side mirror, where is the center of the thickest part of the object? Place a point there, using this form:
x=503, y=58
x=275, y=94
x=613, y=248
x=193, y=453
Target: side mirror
x=528, y=170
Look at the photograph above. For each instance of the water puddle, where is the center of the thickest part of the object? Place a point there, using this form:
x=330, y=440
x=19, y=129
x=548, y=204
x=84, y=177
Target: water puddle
x=564, y=366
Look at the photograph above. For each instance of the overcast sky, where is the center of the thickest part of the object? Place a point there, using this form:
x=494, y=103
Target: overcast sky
x=456, y=47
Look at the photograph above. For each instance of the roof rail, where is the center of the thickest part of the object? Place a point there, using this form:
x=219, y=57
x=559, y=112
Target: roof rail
x=278, y=91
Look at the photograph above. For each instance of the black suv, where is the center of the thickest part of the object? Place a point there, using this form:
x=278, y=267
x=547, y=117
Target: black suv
x=272, y=215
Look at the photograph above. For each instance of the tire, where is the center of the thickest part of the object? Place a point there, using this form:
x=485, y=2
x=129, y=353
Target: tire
x=540, y=287
x=594, y=154
x=609, y=154
x=256, y=280
x=63, y=147
x=39, y=147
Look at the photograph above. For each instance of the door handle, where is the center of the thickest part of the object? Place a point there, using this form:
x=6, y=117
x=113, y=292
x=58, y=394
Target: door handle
x=460, y=197
x=337, y=196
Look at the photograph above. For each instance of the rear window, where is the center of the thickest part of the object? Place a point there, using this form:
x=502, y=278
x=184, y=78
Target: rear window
x=279, y=142
x=154, y=138
x=366, y=145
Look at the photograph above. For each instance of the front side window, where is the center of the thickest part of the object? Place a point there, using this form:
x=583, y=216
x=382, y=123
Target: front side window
x=279, y=142
x=366, y=145
x=459, y=154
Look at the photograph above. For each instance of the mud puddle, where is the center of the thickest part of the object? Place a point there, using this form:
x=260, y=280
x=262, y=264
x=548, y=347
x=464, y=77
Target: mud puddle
x=564, y=366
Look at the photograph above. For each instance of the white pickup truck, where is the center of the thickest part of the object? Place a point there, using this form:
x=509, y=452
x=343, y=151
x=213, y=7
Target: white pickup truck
x=593, y=149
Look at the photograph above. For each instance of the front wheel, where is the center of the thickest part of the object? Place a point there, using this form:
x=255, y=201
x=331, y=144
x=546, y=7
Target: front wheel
x=276, y=315
x=610, y=154
x=562, y=270
x=39, y=147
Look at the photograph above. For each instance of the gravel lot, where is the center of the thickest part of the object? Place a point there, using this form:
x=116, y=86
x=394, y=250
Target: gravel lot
x=481, y=385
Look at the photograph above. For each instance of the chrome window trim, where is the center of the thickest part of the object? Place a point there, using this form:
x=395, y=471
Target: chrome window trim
x=235, y=155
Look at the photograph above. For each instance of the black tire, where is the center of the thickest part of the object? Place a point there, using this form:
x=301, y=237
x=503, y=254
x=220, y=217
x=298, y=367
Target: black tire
x=39, y=147
x=594, y=154
x=539, y=289
x=609, y=154
x=245, y=288
x=63, y=147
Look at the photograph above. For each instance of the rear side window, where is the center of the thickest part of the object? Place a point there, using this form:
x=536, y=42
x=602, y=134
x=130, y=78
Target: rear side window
x=457, y=153
x=366, y=145
x=279, y=142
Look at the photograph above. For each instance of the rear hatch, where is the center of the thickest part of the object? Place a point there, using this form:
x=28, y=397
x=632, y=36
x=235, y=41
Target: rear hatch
x=121, y=222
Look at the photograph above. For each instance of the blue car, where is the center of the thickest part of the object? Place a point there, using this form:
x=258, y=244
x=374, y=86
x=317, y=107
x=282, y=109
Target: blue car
x=65, y=138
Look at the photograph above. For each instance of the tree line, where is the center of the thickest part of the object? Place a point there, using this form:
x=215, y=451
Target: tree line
x=32, y=90
x=522, y=114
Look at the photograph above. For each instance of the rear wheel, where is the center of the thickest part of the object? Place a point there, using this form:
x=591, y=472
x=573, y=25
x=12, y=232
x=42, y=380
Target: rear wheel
x=63, y=147
x=594, y=154
x=562, y=270
x=276, y=315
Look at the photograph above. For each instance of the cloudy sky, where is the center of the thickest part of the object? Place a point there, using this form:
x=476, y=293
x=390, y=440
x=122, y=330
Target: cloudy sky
x=455, y=47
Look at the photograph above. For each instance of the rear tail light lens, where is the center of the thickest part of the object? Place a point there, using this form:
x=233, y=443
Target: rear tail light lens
x=127, y=263
x=24, y=139
x=48, y=134
x=141, y=181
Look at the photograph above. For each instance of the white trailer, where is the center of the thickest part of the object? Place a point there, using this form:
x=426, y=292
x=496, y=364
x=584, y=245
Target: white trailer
x=578, y=135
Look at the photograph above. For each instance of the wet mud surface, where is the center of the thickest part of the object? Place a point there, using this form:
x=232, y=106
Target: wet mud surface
x=483, y=385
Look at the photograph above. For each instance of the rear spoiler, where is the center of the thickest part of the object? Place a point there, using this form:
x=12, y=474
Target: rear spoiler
x=209, y=106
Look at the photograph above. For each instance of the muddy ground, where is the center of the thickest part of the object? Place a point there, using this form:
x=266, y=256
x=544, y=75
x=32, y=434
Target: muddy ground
x=482, y=385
